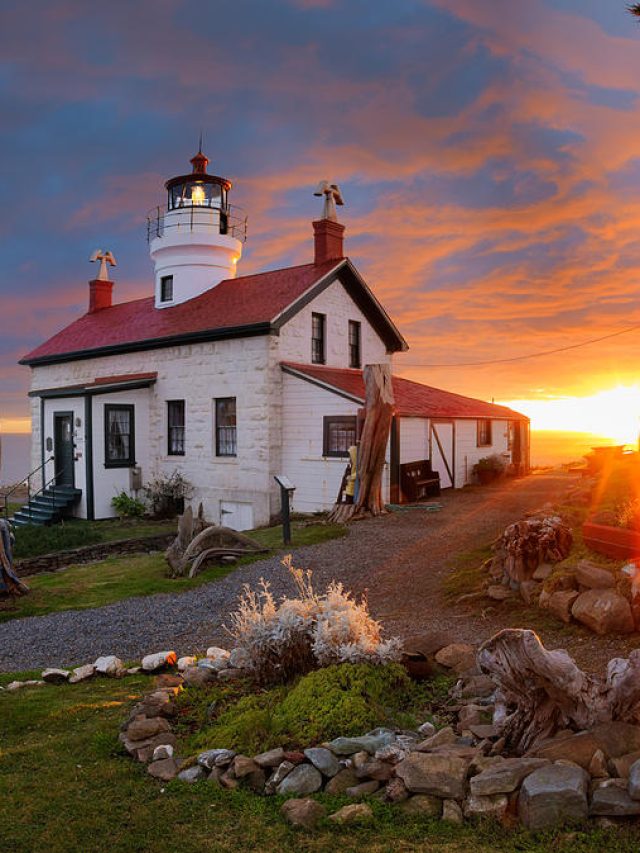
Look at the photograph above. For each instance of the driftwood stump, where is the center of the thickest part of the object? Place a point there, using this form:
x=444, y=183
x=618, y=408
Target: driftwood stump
x=541, y=691
x=374, y=438
x=198, y=541
x=9, y=581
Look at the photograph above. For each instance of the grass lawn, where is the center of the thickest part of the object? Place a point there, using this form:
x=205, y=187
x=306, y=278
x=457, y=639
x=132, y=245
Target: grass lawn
x=66, y=786
x=95, y=584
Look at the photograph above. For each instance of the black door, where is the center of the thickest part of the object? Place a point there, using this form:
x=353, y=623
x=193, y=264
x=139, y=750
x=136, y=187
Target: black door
x=63, y=448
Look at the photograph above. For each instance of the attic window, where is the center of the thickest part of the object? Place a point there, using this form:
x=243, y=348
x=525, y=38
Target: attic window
x=354, y=344
x=166, y=288
x=318, y=338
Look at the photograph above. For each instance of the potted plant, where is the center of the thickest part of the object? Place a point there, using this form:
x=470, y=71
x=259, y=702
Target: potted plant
x=489, y=468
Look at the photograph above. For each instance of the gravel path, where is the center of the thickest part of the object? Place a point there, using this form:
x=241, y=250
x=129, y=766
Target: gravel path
x=400, y=560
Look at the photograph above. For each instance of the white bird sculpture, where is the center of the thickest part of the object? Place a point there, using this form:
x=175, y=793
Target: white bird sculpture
x=332, y=196
x=104, y=258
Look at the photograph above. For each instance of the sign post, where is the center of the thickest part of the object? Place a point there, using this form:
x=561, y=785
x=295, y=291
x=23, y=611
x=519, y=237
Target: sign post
x=286, y=493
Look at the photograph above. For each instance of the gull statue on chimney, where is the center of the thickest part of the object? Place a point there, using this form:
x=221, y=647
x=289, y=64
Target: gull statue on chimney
x=104, y=258
x=332, y=196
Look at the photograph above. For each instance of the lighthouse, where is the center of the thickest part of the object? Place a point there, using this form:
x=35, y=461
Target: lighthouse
x=195, y=238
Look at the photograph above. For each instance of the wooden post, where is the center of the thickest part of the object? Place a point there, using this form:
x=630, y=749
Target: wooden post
x=374, y=438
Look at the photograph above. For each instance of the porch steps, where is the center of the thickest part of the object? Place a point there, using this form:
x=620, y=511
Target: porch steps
x=49, y=507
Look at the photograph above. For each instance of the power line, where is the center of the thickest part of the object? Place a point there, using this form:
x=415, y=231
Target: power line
x=531, y=355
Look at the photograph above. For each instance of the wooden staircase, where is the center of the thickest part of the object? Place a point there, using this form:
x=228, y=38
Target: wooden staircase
x=48, y=506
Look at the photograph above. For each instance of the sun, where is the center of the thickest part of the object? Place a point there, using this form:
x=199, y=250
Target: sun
x=612, y=414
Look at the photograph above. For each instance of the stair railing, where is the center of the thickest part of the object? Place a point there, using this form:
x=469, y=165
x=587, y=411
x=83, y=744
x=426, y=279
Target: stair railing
x=5, y=497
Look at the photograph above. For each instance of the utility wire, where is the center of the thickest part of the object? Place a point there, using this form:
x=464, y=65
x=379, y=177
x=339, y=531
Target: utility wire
x=525, y=357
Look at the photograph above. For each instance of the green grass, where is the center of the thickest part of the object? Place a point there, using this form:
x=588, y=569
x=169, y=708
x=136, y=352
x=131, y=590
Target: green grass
x=66, y=786
x=466, y=573
x=96, y=584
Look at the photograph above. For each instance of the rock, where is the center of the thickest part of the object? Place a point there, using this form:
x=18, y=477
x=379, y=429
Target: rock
x=193, y=774
x=216, y=758
x=324, y=760
x=498, y=592
x=197, y=676
x=593, y=576
x=341, y=781
x=147, y=728
x=438, y=774
x=426, y=729
x=278, y=775
x=219, y=658
x=529, y=591
x=165, y=770
x=55, y=676
x=451, y=812
x=367, y=743
x=186, y=662
x=352, y=814
x=303, y=812
x=579, y=748
x=243, y=766
x=494, y=806
x=485, y=732
x=505, y=776
x=109, y=665
x=561, y=602
x=381, y=771
x=440, y=738
x=363, y=789
x=611, y=798
x=553, y=796
x=231, y=674
x=132, y=670
x=461, y=657
x=142, y=750
x=239, y=659
x=634, y=781
x=392, y=754
x=359, y=759
x=395, y=791
x=169, y=679
x=470, y=715
x=478, y=686
x=422, y=804
x=82, y=673
x=604, y=611
x=616, y=738
x=303, y=779
x=542, y=572
x=622, y=766
x=156, y=661
x=165, y=750
x=294, y=756
x=272, y=758
x=598, y=765
x=228, y=780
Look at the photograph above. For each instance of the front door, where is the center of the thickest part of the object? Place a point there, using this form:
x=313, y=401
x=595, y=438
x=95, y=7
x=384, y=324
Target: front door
x=442, y=443
x=63, y=448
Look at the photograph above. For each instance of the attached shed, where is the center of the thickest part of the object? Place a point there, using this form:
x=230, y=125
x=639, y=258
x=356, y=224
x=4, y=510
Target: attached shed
x=451, y=431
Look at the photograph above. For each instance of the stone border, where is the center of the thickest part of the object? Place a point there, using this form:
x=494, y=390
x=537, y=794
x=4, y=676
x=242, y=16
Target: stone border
x=29, y=566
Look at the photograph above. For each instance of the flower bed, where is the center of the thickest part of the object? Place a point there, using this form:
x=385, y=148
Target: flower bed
x=617, y=543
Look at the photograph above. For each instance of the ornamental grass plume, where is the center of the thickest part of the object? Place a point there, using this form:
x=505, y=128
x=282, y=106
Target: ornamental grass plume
x=303, y=633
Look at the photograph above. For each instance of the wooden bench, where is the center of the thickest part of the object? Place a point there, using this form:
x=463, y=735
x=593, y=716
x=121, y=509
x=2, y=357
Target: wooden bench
x=419, y=481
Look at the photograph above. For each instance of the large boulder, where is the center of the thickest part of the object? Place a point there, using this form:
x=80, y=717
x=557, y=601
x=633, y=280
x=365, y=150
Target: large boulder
x=324, y=760
x=441, y=774
x=604, y=611
x=303, y=779
x=611, y=799
x=614, y=739
x=505, y=776
x=560, y=603
x=367, y=743
x=303, y=812
x=553, y=796
x=461, y=657
x=594, y=577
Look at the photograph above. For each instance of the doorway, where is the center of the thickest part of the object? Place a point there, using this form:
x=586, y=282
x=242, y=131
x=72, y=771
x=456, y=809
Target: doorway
x=63, y=448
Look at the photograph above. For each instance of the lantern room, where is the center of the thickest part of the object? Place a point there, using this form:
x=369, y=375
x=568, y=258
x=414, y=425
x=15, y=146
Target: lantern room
x=195, y=240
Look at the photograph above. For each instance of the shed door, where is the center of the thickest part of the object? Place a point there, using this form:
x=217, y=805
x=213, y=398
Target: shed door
x=63, y=448
x=441, y=441
x=236, y=515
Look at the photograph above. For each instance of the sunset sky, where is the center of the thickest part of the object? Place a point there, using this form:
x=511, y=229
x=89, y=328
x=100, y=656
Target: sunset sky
x=488, y=152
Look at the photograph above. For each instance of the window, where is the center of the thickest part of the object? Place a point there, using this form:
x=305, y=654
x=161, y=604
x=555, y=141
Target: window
x=317, y=338
x=119, y=431
x=175, y=427
x=484, y=433
x=511, y=431
x=166, y=288
x=354, y=343
x=226, y=426
x=339, y=434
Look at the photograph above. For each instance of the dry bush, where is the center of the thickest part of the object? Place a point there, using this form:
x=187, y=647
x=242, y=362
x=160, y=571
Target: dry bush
x=303, y=633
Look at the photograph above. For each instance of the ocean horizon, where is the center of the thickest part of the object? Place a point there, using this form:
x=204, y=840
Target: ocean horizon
x=548, y=447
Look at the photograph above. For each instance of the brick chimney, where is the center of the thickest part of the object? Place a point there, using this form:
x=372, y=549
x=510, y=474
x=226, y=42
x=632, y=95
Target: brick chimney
x=100, y=293
x=328, y=238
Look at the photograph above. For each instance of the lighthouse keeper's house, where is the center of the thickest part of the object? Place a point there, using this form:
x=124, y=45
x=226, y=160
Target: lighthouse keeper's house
x=233, y=379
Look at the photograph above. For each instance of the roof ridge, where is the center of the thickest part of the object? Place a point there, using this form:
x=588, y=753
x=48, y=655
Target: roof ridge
x=282, y=269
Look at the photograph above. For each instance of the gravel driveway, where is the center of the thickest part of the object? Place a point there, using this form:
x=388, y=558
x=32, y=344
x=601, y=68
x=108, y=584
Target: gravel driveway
x=399, y=559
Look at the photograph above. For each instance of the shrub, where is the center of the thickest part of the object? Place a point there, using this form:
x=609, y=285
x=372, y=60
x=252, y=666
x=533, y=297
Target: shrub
x=167, y=495
x=340, y=700
x=126, y=506
x=495, y=464
x=305, y=632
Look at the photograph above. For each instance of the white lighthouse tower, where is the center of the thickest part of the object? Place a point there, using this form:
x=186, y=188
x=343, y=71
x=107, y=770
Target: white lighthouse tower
x=195, y=241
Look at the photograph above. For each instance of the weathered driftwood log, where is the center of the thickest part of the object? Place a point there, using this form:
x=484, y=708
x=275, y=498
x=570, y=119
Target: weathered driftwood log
x=541, y=691
x=374, y=438
x=10, y=583
x=526, y=544
x=198, y=541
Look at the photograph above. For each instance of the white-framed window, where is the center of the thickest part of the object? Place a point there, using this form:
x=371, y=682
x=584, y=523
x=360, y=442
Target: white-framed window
x=166, y=288
x=484, y=433
x=175, y=427
x=225, y=426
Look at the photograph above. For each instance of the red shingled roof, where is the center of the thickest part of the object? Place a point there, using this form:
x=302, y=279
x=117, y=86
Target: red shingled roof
x=242, y=301
x=412, y=399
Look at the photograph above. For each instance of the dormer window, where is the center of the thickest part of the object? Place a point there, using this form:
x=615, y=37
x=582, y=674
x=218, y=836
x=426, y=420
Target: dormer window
x=166, y=288
x=318, y=338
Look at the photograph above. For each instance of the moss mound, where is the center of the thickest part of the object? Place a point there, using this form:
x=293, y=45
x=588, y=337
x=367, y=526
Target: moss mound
x=345, y=699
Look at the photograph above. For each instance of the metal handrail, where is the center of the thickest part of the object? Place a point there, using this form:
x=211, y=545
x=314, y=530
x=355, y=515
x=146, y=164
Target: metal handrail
x=30, y=494
x=231, y=220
